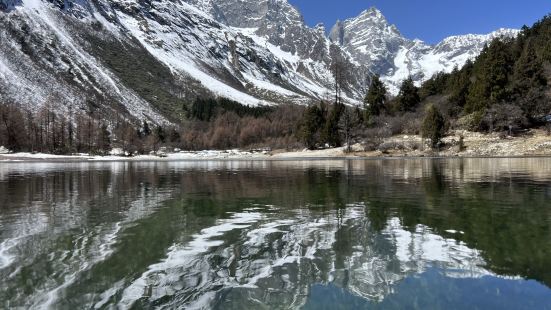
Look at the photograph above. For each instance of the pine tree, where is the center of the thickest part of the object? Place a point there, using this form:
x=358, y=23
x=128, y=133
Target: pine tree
x=174, y=135
x=477, y=96
x=375, y=99
x=313, y=121
x=498, y=67
x=433, y=126
x=331, y=133
x=491, y=76
x=435, y=85
x=546, y=52
x=459, y=84
x=528, y=71
x=529, y=83
x=160, y=134
x=409, y=95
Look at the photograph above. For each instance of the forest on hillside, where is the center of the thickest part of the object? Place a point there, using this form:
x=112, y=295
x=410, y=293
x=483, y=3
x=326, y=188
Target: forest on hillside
x=505, y=89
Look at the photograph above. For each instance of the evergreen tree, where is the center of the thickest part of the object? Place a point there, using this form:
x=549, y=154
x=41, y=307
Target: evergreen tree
x=433, y=126
x=528, y=71
x=174, y=135
x=529, y=83
x=497, y=68
x=477, y=97
x=358, y=116
x=409, y=95
x=546, y=53
x=331, y=133
x=435, y=85
x=313, y=121
x=160, y=134
x=459, y=84
x=491, y=76
x=375, y=99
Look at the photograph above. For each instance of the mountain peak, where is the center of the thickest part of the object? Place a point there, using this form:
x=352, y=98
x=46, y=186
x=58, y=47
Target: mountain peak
x=372, y=11
x=372, y=15
x=320, y=27
x=370, y=20
x=369, y=29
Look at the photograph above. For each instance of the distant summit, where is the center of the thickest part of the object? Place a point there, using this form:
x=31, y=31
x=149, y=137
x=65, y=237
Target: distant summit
x=378, y=45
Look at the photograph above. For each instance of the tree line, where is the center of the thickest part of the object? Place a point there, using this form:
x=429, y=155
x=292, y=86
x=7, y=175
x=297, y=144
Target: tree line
x=504, y=87
x=218, y=124
x=47, y=131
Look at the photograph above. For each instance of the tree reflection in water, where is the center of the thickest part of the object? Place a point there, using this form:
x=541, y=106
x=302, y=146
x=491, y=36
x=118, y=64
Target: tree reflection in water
x=276, y=234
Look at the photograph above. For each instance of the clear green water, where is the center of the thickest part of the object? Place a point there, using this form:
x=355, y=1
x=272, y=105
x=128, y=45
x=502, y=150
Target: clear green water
x=374, y=234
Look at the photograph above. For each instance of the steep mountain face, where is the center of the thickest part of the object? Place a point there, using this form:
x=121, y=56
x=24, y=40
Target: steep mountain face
x=373, y=42
x=278, y=26
x=145, y=59
x=370, y=39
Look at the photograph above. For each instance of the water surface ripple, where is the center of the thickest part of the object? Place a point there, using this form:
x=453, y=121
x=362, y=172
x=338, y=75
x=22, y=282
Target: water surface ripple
x=425, y=233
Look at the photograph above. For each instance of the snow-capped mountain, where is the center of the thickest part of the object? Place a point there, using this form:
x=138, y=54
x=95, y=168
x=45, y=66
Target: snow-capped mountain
x=373, y=42
x=146, y=59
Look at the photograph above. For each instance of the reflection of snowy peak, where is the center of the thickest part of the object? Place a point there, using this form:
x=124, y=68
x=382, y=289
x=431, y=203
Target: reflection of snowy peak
x=378, y=45
x=145, y=59
x=284, y=255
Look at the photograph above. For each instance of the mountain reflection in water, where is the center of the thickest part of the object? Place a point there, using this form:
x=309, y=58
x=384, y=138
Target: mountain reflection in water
x=277, y=234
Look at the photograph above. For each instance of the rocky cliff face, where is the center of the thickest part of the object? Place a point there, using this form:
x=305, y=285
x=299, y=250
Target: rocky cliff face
x=373, y=42
x=146, y=59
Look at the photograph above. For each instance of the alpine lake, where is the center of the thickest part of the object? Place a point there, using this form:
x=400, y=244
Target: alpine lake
x=311, y=234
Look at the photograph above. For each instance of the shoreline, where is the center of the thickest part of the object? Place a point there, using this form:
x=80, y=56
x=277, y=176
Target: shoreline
x=534, y=144
x=17, y=158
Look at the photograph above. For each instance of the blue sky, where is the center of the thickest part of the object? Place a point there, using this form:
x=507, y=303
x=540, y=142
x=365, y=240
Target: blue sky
x=431, y=20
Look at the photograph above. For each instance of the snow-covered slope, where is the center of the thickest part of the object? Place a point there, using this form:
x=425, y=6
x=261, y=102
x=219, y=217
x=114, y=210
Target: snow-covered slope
x=373, y=42
x=147, y=59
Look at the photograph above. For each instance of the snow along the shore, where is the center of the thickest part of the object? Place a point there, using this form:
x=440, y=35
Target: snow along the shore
x=533, y=143
x=205, y=155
